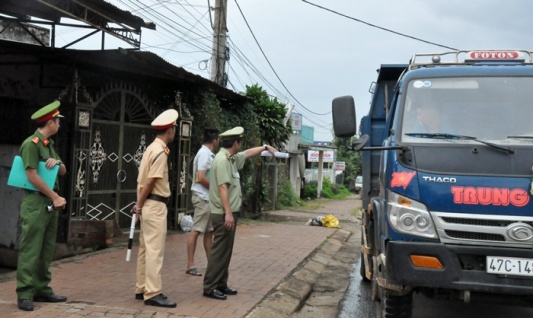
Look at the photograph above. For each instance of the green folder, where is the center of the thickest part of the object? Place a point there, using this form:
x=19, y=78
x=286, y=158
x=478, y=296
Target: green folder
x=17, y=176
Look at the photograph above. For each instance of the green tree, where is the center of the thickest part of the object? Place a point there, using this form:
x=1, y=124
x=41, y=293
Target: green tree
x=351, y=158
x=270, y=114
x=269, y=126
x=262, y=119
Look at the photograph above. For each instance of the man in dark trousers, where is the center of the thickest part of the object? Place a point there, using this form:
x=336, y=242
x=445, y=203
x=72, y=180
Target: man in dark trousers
x=153, y=191
x=225, y=200
x=39, y=222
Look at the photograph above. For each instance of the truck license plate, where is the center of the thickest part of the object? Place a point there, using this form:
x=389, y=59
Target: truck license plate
x=509, y=265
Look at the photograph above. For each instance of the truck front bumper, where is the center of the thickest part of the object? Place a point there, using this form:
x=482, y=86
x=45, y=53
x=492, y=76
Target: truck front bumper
x=464, y=268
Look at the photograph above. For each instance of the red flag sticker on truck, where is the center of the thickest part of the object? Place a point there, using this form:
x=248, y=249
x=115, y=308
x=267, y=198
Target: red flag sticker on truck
x=401, y=179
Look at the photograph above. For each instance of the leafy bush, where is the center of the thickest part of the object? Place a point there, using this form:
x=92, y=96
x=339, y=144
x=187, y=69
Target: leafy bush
x=310, y=191
x=286, y=196
x=329, y=190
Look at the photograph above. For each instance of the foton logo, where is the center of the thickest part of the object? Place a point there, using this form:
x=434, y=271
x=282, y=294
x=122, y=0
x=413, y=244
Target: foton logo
x=494, y=55
x=401, y=179
x=490, y=196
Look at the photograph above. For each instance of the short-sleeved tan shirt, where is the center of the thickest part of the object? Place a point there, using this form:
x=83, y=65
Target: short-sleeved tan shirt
x=225, y=170
x=152, y=167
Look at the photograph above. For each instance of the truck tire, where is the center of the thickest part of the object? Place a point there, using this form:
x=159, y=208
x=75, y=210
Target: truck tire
x=392, y=306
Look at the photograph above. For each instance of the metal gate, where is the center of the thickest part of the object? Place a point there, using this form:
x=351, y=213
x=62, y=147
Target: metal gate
x=111, y=134
x=110, y=149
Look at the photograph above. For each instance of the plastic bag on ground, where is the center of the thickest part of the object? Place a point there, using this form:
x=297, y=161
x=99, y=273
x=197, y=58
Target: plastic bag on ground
x=315, y=221
x=186, y=223
x=330, y=221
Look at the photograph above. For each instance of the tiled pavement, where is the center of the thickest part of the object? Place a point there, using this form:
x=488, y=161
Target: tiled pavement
x=102, y=284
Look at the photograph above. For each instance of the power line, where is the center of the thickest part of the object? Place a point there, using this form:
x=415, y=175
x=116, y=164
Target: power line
x=378, y=27
x=162, y=23
x=245, y=61
x=271, y=67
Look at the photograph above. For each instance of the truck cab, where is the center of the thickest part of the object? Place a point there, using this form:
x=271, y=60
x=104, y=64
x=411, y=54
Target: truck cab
x=447, y=168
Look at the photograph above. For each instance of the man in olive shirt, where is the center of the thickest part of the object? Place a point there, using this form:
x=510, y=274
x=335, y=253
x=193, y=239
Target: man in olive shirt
x=225, y=200
x=39, y=224
x=153, y=191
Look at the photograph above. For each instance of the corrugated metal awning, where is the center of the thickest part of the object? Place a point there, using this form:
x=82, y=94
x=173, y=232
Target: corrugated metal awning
x=93, y=12
x=127, y=63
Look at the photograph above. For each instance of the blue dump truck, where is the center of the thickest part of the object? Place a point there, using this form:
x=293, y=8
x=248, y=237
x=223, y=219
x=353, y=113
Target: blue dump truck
x=447, y=178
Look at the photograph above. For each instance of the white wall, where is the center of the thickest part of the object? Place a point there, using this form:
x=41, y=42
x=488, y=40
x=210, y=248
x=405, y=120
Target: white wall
x=312, y=175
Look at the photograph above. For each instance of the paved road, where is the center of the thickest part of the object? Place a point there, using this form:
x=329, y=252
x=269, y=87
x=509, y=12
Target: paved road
x=266, y=254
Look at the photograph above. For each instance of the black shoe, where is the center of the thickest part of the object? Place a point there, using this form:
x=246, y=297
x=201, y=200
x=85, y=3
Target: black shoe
x=228, y=291
x=140, y=296
x=50, y=298
x=25, y=304
x=216, y=294
x=160, y=301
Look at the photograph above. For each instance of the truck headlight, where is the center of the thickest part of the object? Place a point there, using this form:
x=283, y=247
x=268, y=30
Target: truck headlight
x=409, y=216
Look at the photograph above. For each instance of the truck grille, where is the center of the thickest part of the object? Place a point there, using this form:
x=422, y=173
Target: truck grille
x=481, y=222
x=475, y=236
x=482, y=229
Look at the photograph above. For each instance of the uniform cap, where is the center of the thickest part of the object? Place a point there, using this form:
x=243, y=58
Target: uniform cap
x=47, y=112
x=232, y=133
x=165, y=120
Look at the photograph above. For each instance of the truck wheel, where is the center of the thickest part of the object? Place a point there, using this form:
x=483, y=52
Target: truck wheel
x=392, y=306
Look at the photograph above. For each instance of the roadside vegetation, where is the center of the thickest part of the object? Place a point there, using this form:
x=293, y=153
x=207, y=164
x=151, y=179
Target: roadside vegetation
x=287, y=199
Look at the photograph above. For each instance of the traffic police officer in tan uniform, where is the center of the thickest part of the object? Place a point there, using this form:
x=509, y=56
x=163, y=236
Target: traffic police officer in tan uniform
x=39, y=224
x=153, y=191
x=225, y=200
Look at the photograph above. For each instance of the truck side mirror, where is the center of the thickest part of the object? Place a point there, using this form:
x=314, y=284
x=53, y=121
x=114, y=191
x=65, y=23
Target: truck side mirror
x=343, y=112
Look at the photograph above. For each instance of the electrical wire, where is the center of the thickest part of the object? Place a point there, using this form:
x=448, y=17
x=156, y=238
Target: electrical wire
x=183, y=33
x=378, y=27
x=242, y=59
x=270, y=64
x=151, y=14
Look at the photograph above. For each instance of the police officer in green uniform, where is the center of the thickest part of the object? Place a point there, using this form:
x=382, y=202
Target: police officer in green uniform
x=39, y=222
x=225, y=200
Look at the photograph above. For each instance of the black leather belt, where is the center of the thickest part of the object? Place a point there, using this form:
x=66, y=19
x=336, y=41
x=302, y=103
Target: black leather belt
x=158, y=198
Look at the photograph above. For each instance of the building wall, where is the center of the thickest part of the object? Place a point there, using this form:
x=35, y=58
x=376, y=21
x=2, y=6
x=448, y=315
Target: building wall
x=307, y=136
x=11, y=198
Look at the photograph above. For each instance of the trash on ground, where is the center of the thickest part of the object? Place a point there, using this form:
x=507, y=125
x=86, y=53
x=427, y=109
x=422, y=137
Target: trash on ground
x=186, y=223
x=327, y=221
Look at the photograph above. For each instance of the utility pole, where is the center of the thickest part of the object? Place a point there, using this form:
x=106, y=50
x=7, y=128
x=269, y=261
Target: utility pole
x=220, y=54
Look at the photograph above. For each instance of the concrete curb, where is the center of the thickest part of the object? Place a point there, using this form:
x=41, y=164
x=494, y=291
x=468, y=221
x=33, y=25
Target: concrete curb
x=317, y=286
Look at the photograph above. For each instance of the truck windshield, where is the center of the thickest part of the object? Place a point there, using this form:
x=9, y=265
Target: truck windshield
x=493, y=109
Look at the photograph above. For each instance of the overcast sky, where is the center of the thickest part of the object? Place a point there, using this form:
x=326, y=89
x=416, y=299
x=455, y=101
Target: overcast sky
x=319, y=55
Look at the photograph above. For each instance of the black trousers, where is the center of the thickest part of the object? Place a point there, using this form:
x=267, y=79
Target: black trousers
x=217, y=273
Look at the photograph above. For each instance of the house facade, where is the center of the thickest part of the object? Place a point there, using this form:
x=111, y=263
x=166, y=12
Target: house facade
x=108, y=98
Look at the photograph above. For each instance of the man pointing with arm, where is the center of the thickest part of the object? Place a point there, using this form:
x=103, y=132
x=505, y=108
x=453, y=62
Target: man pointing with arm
x=225, y=199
